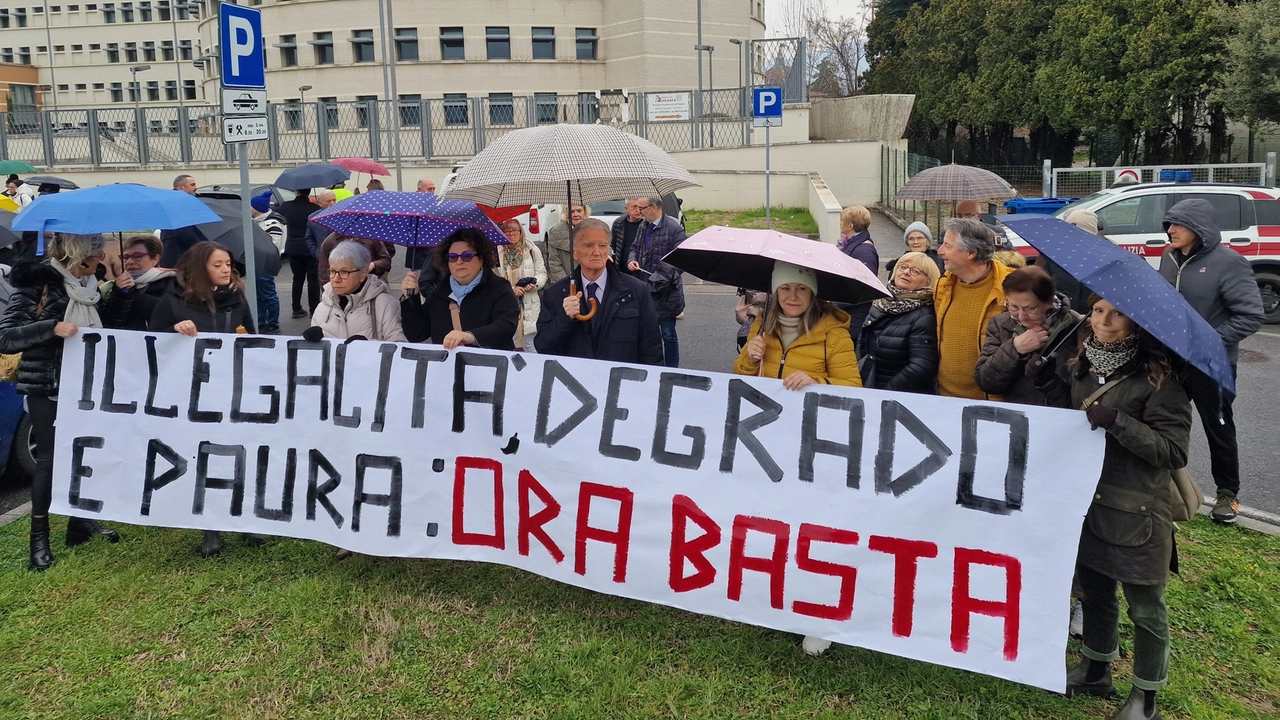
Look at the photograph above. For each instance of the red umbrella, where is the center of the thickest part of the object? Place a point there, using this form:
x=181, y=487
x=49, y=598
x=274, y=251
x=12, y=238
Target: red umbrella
x=503, y=214
x=362, y=165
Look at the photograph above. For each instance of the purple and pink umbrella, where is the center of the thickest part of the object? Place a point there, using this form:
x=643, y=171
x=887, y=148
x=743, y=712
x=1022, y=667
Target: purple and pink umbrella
x=410, y=219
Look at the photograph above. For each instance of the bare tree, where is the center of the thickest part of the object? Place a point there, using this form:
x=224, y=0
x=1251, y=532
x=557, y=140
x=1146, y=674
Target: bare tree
x=842, y=41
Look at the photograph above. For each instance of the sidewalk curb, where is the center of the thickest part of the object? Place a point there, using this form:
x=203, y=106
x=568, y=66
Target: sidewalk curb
x=14, y=514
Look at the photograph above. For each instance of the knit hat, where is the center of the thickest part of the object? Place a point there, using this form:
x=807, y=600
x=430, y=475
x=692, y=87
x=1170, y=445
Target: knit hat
x=261, y=203
x=785, y=272
x=1086, y=220
x=918, y=226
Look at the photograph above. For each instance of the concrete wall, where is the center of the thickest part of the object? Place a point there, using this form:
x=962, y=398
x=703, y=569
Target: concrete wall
x=864, y=117
x=824, y=208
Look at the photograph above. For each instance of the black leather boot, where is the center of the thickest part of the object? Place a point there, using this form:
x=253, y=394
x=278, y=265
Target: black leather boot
x=212, y=544
x=1135, y=707
x=82, y=530
x=41, y=555
x=252, y=540
x=1079, y=684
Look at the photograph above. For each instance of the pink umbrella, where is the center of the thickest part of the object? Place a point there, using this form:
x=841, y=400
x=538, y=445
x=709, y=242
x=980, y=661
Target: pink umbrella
x=362, y=165
x=745, y=258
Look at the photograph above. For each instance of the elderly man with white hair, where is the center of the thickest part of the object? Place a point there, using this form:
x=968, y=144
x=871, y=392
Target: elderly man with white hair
x=965, y=299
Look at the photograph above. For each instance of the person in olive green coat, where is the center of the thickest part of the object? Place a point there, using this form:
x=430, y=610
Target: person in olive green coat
x=1128, y=531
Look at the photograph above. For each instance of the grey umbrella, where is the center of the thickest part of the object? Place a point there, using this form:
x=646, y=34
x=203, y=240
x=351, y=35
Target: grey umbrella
x=39, y=180
x=956, y=182
x=229, y=232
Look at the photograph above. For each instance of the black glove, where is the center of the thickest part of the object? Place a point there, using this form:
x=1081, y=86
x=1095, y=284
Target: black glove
x=1101, y=416
x=313, y=334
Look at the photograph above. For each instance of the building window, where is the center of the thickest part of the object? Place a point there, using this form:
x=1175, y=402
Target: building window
x=171, y=126
x=149, y=51
x=498, y=42
x=126, y=12
x=587, y=40
x=135, y=92
x=330, y=111
x=95, y=47
x=98, y=86
x=59, y=48
x=164, y=10
x=24, y=56
x=293, y=114
x=288, y=50
x=455, y=109
x=451, y=46
x=4, y=18
x=108, y=13
x=6, y=55
x=757, y=10
x=153, y=91
x=184, y=10
x=361, y=46
x=81, y=86
x=364, y=105
x=117, y=92
x=131, y=52
x=544, y=43
x=63, y=88
x=323, y=43
x=41, y=49
x=77, y=48
x=170, y=89
x=21, y=15
x=406, y=43
x=144, y=12
x=411, y=110
x=588, y=107
x=166, y=50
x=501, y=109
x=189, y=89
x=184, y=49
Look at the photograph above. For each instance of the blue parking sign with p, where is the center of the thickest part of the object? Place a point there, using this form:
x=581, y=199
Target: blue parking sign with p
x=240, y=36
x=766, y=102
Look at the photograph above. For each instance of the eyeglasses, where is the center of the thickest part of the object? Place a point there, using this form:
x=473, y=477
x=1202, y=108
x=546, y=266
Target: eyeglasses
x=462, y=257
x=135, y=256
x=343, y=274
x=909, y=270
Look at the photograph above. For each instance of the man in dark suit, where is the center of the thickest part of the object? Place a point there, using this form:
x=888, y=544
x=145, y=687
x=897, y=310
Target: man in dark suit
x=625, y=326
x=657, y=236
x=625, y=229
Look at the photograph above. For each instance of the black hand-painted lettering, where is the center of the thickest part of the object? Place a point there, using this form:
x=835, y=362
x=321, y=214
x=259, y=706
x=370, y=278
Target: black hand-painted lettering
x=738, y=429
x=389, y=500
x=320, y=493
x=90, y=341
x=79, y=471
x=811, y=445
x=151, y=483
x=388, y=352
x=553, y=372
x=421, y=358
x=109, y=403
x=153, y=379
x=271, y=416
x=339, y=379
x=893, y=413
x=199, y=376
x=295, y=380
x=260, y=509
x=235, y=483
x=613, y=413
x=667, y=383
x=1016, y=474
x=461, y=395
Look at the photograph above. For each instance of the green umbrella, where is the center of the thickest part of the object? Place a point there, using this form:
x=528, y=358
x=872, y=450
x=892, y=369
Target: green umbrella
x=10, y=167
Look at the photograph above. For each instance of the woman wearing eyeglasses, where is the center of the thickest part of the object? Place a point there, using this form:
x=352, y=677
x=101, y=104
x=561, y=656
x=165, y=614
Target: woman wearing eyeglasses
x=486, y=307
x=355, y=302
x=899, y=340
x=146, y=284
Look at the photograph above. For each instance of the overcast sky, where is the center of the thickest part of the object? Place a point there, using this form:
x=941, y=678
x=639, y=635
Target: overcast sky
x=835, y=8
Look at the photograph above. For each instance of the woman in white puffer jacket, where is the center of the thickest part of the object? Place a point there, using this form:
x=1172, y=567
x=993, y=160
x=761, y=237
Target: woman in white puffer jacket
x=521, y=260
x=356, y=302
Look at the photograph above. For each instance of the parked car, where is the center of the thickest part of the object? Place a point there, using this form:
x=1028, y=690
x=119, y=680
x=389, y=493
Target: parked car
x=611, y=210
x=1249, y=217
x=232, y=192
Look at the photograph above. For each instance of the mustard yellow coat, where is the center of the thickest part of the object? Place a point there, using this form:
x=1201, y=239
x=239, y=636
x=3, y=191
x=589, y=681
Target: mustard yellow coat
x=825, y=353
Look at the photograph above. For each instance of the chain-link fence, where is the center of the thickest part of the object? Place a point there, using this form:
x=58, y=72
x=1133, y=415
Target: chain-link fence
x=1028, y=180
x=1078, y=182
x=896, y=168
x=780, y=62
x=455, y=126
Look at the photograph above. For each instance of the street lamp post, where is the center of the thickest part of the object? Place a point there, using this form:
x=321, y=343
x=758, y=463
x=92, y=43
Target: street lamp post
x=697, y=106
x=137, y=89
x=741, y=93
x=302, y=103
x=711, y=82
x=48, y=35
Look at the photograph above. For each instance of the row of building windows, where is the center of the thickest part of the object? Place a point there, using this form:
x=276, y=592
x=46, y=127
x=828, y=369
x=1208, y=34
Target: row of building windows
x=131, y=53
x=161, y=10
x=500, y=109
x=452, y=45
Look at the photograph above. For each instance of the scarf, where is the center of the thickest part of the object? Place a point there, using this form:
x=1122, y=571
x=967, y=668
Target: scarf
x=82, y=296
x=513, y=262
x=1105, y=357
x=461, y=291
x=903, y=301
x=143, y=279
x=788, y=330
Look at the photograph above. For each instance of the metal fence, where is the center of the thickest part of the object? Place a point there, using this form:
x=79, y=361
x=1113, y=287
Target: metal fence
x=896, y=168
x=1078, y=182
x=321, y=131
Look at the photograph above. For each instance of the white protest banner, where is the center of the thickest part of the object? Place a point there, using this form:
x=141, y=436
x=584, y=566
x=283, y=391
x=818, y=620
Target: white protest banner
x=932, y=528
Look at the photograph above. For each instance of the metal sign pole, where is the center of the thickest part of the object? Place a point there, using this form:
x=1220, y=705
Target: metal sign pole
x=250, y=261
x=768, y=206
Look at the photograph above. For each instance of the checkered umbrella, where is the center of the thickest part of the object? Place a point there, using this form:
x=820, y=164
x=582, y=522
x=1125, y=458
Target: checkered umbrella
x=579, y=163
x=956, y=182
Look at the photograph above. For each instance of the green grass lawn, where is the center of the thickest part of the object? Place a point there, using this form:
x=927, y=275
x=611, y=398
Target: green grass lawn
x=147, y=629
x=785, y=219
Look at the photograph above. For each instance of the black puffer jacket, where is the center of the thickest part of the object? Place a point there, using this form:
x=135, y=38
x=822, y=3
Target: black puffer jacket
x=489, y=312
x=230, y=312
x=36, y=286
x=900, y=352
x=137, y=306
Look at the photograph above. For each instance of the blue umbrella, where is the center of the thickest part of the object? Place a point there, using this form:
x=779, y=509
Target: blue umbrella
x=112, y=208
x=411, y=219
x=1134, y=287
x=305, y=177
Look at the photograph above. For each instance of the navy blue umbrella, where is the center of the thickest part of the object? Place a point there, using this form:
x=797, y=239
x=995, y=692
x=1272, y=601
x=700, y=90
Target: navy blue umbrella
x=305, y=177
x=411, y=219
x=1134, y=287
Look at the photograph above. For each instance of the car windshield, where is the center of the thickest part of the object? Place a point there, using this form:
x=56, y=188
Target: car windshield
x=609, y=207
x=1082, y=202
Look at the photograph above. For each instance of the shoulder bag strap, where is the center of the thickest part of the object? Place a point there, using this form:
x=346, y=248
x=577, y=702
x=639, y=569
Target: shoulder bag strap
x=373, y=319
x=1089, y=401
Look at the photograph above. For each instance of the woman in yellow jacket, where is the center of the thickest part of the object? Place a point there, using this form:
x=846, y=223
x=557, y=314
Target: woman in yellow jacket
x=800, y=339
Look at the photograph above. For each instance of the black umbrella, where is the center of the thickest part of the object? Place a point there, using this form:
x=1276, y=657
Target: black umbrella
x=305, y=177
x=230, y=232
x=39, y=180
x=7, y=235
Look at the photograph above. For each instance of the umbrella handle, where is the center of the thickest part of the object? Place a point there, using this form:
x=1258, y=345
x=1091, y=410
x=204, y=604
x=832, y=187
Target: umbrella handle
x=573, y=290
x=456, y=315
